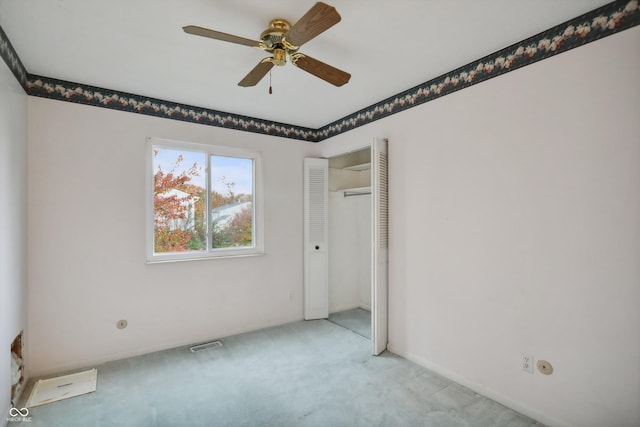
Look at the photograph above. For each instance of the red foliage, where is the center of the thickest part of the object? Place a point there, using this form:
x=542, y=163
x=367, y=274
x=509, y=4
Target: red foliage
x=170, y=211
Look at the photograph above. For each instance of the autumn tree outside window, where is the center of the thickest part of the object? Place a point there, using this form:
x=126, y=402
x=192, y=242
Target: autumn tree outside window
x=202, y=201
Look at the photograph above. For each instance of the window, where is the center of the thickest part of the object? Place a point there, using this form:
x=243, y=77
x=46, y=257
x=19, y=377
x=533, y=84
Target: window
x=202, y=201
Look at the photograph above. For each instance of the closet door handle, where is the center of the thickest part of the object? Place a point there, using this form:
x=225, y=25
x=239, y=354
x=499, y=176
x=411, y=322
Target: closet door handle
x=317, y=247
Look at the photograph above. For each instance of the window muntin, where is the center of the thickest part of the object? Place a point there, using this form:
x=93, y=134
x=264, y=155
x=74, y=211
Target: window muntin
x=204, y=202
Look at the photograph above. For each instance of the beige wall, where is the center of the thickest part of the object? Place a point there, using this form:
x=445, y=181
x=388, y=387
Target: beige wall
x=87, y=242
x=514, y=227
x=13, y=232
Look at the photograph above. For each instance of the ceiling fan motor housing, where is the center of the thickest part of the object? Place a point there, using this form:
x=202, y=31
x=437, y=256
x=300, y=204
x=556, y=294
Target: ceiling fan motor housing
x=272, y=40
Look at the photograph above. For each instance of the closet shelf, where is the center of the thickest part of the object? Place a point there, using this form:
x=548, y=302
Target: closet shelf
x=360, y=167
x=357, y=191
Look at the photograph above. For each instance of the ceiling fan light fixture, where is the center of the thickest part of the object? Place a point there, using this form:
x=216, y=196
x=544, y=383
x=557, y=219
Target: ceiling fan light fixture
x=279, y=57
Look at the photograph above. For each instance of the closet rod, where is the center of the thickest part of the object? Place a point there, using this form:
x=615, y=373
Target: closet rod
x=355, y=193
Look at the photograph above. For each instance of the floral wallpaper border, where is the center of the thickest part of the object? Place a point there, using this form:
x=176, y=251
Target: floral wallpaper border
x=604, y=21
x=99, y=97
x=11, y=58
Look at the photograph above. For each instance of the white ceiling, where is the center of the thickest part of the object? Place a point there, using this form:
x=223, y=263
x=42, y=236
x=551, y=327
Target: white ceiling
x=138, y=46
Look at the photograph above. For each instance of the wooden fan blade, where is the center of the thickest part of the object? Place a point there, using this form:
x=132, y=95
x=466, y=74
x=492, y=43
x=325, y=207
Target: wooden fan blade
x=212, y=34
x=255, y=75
x=324, y=71
x=317, y=20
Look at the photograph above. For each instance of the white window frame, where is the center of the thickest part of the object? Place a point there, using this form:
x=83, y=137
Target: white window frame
x=209, y=253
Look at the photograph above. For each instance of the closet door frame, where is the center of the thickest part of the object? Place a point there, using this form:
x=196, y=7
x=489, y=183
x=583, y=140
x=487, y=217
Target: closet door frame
x=379, y=241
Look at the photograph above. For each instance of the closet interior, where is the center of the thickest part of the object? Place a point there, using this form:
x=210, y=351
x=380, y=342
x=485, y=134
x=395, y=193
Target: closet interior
x=350, y=240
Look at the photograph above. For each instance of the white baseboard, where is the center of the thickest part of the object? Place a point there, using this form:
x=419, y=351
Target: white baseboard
x=93, y=362
x=479, y=388
x=343, y=308
x=349, y=307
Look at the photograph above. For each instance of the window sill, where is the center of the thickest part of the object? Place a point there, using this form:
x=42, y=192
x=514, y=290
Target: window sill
x=203, y=258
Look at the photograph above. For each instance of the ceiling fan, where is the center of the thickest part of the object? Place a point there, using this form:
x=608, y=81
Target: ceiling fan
x=283, y=40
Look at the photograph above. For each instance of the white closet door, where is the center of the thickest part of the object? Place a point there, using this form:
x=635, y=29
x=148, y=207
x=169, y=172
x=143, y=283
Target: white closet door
x=316, y=232
x=380, y=247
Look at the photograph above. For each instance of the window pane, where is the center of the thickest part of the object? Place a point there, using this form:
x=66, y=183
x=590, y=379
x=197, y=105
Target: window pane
x=179, y=200
x=232, y=215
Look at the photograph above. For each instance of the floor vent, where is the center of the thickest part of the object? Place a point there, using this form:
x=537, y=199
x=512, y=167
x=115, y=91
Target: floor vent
x=205, y=346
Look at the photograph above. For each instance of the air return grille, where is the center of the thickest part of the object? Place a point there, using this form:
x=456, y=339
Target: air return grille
x=205, y=346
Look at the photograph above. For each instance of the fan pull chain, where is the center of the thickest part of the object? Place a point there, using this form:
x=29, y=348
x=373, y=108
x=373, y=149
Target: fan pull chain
x=270, y=89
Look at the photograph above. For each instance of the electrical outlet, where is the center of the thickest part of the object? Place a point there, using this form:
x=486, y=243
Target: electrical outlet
x=527, y=363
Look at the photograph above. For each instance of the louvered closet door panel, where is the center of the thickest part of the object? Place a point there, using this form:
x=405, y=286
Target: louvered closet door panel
x=316, y=231
x=317, y=205
x=380, y=225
